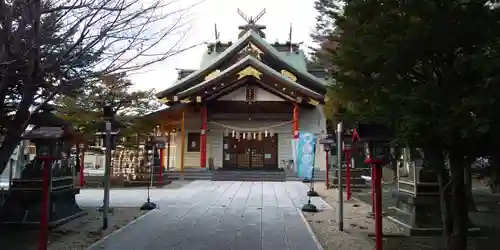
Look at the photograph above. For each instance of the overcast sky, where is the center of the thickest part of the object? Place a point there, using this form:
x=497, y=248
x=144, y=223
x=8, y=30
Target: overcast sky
x=279, y=15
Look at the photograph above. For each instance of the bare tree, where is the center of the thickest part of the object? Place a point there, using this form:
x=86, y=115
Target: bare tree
x=54, y=47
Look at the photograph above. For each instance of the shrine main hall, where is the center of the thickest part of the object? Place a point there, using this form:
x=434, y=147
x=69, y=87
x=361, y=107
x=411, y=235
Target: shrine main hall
x=243, y=106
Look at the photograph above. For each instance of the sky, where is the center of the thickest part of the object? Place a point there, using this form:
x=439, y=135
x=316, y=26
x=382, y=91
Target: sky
x=279, y=15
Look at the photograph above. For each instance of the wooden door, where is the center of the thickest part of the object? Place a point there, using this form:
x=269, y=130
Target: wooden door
x=251, y=154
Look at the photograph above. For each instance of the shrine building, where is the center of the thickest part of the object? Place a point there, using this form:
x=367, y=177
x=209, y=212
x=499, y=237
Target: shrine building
x=243, y=106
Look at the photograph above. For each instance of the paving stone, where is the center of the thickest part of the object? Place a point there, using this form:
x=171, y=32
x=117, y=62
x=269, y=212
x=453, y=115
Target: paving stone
x=213, y=215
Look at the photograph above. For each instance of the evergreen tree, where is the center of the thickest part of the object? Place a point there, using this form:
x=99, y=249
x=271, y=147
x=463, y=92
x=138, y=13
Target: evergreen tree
x=429, y=70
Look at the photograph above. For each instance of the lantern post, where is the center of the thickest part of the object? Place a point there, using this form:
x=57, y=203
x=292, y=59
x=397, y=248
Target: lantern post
x=150, y=149
x=377, y=151
x=110, y=138
x=329, y=145
x=49, y=146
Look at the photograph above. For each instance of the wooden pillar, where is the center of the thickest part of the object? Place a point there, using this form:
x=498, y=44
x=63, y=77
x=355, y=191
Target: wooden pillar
x=183, y=142
x=203, y=138
x=169, y=140
x=296, y=119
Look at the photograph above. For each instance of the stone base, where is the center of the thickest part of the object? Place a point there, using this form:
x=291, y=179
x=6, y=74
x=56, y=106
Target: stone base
x=23, y=207
x=420, y=215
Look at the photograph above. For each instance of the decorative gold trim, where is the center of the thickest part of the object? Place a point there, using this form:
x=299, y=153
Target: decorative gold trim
x=198, y=99
x=313, y=102
x=212, y=75
x=186, y=100
x=164, y=100
x=176, y=98
x=289, y=75
x=249, y=71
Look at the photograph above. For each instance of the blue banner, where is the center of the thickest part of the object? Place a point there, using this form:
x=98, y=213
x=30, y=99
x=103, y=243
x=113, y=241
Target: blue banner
x=306, y=148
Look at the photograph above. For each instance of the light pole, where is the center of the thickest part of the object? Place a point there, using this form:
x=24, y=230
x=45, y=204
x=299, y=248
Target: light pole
x=110, y=143
x=339, y=176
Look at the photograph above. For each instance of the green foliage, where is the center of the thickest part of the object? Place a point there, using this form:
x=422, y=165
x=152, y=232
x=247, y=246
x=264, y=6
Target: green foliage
x=425, y=68
x=85, y=110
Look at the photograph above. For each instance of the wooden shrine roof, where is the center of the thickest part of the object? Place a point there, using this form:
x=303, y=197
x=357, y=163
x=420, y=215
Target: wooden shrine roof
x=255, y=69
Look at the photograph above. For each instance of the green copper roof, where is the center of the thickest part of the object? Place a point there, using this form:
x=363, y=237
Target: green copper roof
x=297, y=60
x=294, y=62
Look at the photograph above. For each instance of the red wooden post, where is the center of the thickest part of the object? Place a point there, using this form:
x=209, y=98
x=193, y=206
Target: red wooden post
x=43, y=236
x=203, y=139
x=377, y=170
x=327, y=169
x=348, y=175
x=373, y=188
x=82, y=166
x=296, y=120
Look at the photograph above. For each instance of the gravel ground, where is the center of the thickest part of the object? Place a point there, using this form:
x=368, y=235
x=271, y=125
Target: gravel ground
x=77, y=234
x=357, y=225
x=358, y=228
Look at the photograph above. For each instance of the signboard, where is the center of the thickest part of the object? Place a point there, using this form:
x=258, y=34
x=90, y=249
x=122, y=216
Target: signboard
x=305, y=154
x=294, y=154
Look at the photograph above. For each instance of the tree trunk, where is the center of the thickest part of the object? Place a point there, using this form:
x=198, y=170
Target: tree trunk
x=459, y=213
x=471, y=205
x=13, y=137
x=494, y=174
x=17, y=127
x=394, y=161
x=434, y=158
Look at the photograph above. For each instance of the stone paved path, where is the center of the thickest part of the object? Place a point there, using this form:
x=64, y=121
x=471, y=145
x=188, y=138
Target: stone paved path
x=214, y=216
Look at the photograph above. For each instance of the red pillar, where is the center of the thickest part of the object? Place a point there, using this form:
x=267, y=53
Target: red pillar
x=43, y=236
x=377, y=170
x=82, y=165
x=296, y=120
x=203, y=138
x=373, y=188
x=348, y=175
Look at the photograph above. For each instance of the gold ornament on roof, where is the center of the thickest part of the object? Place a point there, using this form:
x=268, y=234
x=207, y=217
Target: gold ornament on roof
x=164, y=100
x=187, y=100
x=252, y=50
x=249, y=71
x=289, y=75
x=313, y=102
x=212, y=75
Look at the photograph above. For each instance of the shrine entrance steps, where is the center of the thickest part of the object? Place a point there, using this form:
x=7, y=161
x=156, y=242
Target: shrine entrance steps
x=228, y=175
x=244, y=175
x=190, y=174
x=253, y=175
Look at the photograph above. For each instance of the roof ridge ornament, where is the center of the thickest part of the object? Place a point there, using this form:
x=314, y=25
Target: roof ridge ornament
x=252, y=23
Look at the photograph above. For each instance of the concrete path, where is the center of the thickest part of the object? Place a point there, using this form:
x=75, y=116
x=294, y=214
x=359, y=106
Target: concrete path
x=214, y=216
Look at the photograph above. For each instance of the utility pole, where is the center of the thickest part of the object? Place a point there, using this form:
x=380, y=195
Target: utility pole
x=339, y=176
